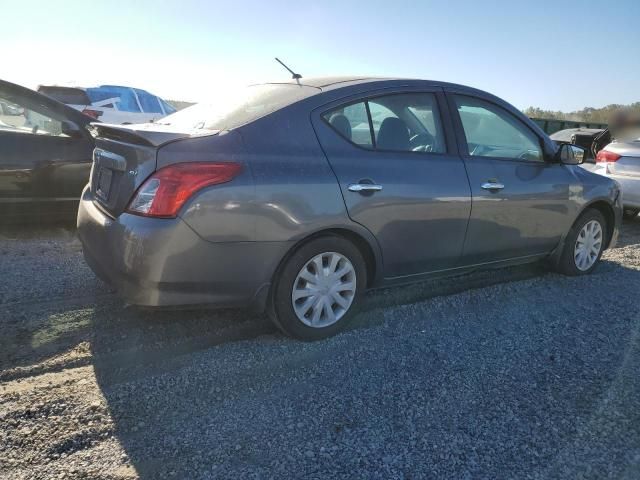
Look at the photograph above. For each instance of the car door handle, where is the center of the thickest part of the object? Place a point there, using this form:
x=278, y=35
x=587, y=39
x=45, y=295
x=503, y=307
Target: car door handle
x=364, y=187
x=492, y=185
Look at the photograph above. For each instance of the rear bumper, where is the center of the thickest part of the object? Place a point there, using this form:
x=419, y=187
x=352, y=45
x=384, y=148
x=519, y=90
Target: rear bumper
x=629, y=185
x=163, y=262
x=630, y=189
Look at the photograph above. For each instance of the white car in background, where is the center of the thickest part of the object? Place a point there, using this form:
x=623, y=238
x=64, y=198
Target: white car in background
x=111, y=103
x=621, y=162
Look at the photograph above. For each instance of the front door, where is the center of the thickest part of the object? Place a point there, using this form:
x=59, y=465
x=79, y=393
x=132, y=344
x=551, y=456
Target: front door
x=400, y=177
x=520, y=201
x=43, y=165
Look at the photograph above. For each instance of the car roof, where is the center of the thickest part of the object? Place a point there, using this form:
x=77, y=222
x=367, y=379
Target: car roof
x=337, y=81
x=324, y=84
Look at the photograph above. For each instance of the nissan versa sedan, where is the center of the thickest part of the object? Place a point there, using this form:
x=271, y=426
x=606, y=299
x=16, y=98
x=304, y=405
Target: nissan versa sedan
x=299, y=196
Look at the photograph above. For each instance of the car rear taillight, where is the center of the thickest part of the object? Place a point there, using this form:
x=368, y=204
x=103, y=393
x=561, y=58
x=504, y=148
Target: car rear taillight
x=163, y=193
x=606, y=156
x=92, y=113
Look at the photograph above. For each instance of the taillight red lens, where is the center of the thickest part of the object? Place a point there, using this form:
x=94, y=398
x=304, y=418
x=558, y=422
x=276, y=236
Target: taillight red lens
x=165, y=192
x=92, y=113
x=606, y=156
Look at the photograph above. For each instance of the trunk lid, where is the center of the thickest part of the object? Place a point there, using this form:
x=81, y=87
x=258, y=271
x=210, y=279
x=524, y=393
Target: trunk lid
x=124, y=157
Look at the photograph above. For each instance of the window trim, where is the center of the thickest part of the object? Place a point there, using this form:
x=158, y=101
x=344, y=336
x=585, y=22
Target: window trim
x=373, y=148
x=463, y=145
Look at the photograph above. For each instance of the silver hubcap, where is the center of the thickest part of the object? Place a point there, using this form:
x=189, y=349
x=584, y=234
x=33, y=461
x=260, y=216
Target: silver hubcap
x=324, y=290
x=588, y=245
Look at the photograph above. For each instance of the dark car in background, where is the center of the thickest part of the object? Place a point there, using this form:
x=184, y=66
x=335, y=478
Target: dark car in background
x=45, y=156
x=591, y=139
x=301, y=195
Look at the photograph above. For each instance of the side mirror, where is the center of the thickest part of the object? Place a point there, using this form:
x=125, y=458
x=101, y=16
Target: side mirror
x=70, y=129
x=571, y=154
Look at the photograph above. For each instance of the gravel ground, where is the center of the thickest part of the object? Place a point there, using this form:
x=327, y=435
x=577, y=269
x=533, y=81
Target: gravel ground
x=516, y=373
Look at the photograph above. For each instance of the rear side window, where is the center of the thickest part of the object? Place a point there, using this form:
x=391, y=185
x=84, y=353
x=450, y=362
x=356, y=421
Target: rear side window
x=491, y=131
x=352, y=123
x=400, y=122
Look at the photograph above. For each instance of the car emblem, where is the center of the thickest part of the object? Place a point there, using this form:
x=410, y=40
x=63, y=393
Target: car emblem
x=133, y=173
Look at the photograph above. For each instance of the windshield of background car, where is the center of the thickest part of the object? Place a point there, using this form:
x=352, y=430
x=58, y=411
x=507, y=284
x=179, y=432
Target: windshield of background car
x=248, y=105
x=124, y=97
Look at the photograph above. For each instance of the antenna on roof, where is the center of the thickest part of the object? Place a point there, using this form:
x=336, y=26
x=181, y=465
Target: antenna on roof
x=294, y=75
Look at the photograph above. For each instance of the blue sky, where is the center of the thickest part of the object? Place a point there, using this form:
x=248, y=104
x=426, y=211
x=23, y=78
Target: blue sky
x=551, y=54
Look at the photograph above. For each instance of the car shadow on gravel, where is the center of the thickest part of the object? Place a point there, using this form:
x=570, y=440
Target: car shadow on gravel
x=184, y=410
x=52, y=335
x=138, y=342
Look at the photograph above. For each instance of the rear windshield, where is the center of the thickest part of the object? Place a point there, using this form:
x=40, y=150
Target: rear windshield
x=248, y=105
x=70, y=96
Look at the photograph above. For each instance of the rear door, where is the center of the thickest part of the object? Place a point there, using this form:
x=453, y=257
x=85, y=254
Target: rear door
x=520, y=201
x=400, y=175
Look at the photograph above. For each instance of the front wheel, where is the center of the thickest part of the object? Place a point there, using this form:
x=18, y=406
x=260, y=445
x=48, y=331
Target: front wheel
x=584, y=244
x=318, y=288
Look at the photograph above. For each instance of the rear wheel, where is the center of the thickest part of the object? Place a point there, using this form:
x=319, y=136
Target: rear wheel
x=630, y=213
x=584, y=244
x=318, y=288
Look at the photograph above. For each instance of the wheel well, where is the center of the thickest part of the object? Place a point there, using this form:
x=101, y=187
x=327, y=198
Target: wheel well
x=361, y=244
x=607, y=212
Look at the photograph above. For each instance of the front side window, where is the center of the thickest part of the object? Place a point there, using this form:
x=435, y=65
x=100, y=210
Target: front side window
x=491, y=131
x=18, y=118
x=400, y=122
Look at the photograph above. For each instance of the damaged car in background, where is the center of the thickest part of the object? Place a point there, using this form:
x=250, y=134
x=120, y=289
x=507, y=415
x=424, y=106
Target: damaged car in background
x=111, y=103
x=613, y=152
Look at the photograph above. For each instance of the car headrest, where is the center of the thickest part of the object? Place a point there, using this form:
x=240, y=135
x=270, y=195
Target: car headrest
x=342, y=125
x=393, y=135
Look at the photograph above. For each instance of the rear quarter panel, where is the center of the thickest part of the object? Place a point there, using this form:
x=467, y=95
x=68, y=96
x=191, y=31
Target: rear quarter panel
x=220, y=213
x=296, y=192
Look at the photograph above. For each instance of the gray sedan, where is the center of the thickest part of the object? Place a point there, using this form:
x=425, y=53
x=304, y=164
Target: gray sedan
x=299, y=196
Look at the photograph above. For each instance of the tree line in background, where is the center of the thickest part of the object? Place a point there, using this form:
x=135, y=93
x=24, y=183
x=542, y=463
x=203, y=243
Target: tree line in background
x=587, y=114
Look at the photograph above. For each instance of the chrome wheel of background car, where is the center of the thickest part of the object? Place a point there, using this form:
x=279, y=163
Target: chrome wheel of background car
x=324, y=290
x=588, y=245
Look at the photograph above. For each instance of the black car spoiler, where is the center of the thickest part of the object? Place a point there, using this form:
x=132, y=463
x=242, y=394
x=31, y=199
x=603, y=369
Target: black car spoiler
x=147, y=134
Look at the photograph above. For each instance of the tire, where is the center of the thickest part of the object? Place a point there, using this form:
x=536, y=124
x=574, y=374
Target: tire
x=569, y=263
x=630, y=213
x=298, y=318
